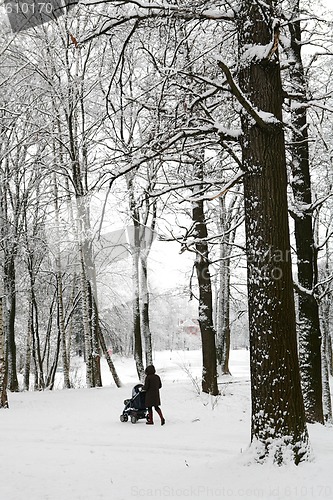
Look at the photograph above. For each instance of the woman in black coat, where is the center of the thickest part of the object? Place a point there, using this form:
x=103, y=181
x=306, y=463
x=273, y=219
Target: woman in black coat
x=151, y=388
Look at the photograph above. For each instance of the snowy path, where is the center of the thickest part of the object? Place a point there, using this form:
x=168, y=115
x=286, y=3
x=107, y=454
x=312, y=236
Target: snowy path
x=70, y=445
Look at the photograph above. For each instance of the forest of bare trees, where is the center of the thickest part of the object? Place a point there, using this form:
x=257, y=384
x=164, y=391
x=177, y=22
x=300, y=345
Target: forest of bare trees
x=201, y=125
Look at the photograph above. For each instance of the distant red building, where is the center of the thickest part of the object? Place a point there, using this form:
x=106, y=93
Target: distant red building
x=190, y=326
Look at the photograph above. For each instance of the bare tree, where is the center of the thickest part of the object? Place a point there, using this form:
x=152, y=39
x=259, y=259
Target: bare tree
x=208, y=333
x=229, y=218
x=309, y=331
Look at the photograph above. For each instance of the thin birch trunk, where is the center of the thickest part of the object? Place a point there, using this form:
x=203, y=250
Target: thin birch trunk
x=223, y=305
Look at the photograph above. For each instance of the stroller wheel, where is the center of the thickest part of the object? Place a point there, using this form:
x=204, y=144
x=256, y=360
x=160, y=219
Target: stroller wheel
x=123, y=417
x=134, y=419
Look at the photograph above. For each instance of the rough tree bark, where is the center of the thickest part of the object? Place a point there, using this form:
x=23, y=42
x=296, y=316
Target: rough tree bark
x=309, y=333
x=208, y=334
x=278, y=426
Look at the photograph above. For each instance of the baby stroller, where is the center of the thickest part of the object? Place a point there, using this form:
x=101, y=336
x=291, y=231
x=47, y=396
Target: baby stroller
x=135, y=408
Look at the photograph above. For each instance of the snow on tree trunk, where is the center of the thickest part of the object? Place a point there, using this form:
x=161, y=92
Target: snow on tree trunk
x=3, y=378
x=144, y=299
x=330, y=354
x=327, y=402
x=308, y=310
x=94, y=326
x=325, y=307
x=27, y=361
x=278, y=426
x=325, y=315
x=88, y=349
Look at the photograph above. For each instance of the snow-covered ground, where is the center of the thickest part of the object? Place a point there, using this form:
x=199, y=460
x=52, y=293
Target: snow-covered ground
x=70, y=444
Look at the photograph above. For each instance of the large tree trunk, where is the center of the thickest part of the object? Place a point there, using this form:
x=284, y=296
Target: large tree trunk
x=278, y=426
x=308, y=309
x=208, y=334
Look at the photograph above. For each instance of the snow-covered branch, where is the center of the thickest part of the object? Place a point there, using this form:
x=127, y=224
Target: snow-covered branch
x=262, y=118
x=163, y=145
x=302, y=290
x=135, y=10
x=224, y=190
x=301, y=210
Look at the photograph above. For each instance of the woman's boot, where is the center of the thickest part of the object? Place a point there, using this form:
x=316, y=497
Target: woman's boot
x=159, y=411
x=150, y=417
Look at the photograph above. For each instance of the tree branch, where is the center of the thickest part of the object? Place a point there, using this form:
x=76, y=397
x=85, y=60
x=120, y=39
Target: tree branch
x=267, y=123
